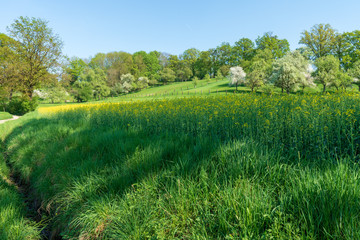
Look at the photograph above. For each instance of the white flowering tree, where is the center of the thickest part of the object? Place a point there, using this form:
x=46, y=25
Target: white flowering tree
x=308, y=81
x=127, y=82
x=236, y=76
x=290, y=71
x=142, y=82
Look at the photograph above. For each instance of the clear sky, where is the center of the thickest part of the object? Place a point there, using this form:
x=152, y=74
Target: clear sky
x=172, y=26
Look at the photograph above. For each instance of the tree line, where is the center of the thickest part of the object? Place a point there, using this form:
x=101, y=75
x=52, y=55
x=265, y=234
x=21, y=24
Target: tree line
x=31, y=62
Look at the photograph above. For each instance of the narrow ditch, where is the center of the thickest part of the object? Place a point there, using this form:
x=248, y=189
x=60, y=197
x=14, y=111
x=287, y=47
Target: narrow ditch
x=34, y=211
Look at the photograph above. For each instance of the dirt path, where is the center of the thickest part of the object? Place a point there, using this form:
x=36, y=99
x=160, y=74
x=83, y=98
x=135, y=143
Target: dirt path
x=13, y=118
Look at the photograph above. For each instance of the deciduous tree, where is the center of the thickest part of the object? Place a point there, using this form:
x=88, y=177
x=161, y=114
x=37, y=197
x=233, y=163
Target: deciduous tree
x=39, y=48
x=237, y=76
x=320, y=40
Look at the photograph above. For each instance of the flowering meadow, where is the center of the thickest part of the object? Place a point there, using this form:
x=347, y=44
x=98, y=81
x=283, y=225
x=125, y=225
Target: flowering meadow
x=244, y=166
x=309, y=125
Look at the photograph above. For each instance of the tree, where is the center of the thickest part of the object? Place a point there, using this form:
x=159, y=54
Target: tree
x=290, y=71
x=167, y=75
x=278, y=47
x=308, y=81
x=11, y=68
x=320, y=40
x=75, y=68
x=142, y=82
x=219, y=75
x=342, y=80
x=202, y=65
x=189, y=57
x=352, y=48
x=242, y=53
x=97, y=81
x=195, y=81
x=151, y=62
x=39, y=48
x=258, y=73
x=355, y=73
x=184, y=73
x=124, y=64
x=82, y=91
x=207, y=78
x=327, y=70
x=237, y=76
x=259, y=69
x=127, y=83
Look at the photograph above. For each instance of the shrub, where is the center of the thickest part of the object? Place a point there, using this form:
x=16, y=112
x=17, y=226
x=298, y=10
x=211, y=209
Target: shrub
x=20, y=106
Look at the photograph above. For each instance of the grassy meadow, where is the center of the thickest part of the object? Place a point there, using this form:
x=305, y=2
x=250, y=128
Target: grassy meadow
x=236, y=166
x=213, y=87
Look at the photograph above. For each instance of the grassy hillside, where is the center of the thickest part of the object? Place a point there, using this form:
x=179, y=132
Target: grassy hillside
x=187, y=89
x=230, y=167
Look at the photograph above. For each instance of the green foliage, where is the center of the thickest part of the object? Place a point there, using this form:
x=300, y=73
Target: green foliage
x=184, y=73
x=82, y=91
x=351, y=48
x=202, y=66
x=327, y=70
x=21, y=105
x=147, y=64
x=355, y=73
x=320, y=40
x=38, y=47
x=195, y=81
x=258, y=74
x=342, y=81
x=167, y=75
x=75, y=69
x=243, y=52
x=277, y=47
x=219, y=75
x=207, y=78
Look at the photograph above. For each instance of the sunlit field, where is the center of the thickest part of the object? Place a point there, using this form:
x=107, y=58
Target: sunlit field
x=227, y=167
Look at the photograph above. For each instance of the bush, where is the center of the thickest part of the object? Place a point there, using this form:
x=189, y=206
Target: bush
x=20, y=106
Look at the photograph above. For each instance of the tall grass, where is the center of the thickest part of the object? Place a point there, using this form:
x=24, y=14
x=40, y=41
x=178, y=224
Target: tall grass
x=231, y=167
x=13, y=222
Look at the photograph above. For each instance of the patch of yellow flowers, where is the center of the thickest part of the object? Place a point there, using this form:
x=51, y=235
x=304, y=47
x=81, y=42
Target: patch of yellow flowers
x=301, y=119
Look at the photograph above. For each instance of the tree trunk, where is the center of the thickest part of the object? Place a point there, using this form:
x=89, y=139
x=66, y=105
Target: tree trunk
x=324, y=88
x=282, y=90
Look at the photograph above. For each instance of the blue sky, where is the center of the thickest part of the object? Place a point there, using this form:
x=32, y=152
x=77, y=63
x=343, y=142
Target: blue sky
x=89, y=27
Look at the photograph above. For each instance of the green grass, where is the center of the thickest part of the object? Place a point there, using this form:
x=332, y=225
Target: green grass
x=13, y=221
x=240, y=166
x=5, y=115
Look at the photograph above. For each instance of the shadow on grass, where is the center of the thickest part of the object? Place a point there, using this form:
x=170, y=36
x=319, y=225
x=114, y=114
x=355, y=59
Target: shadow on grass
x=72, y=164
